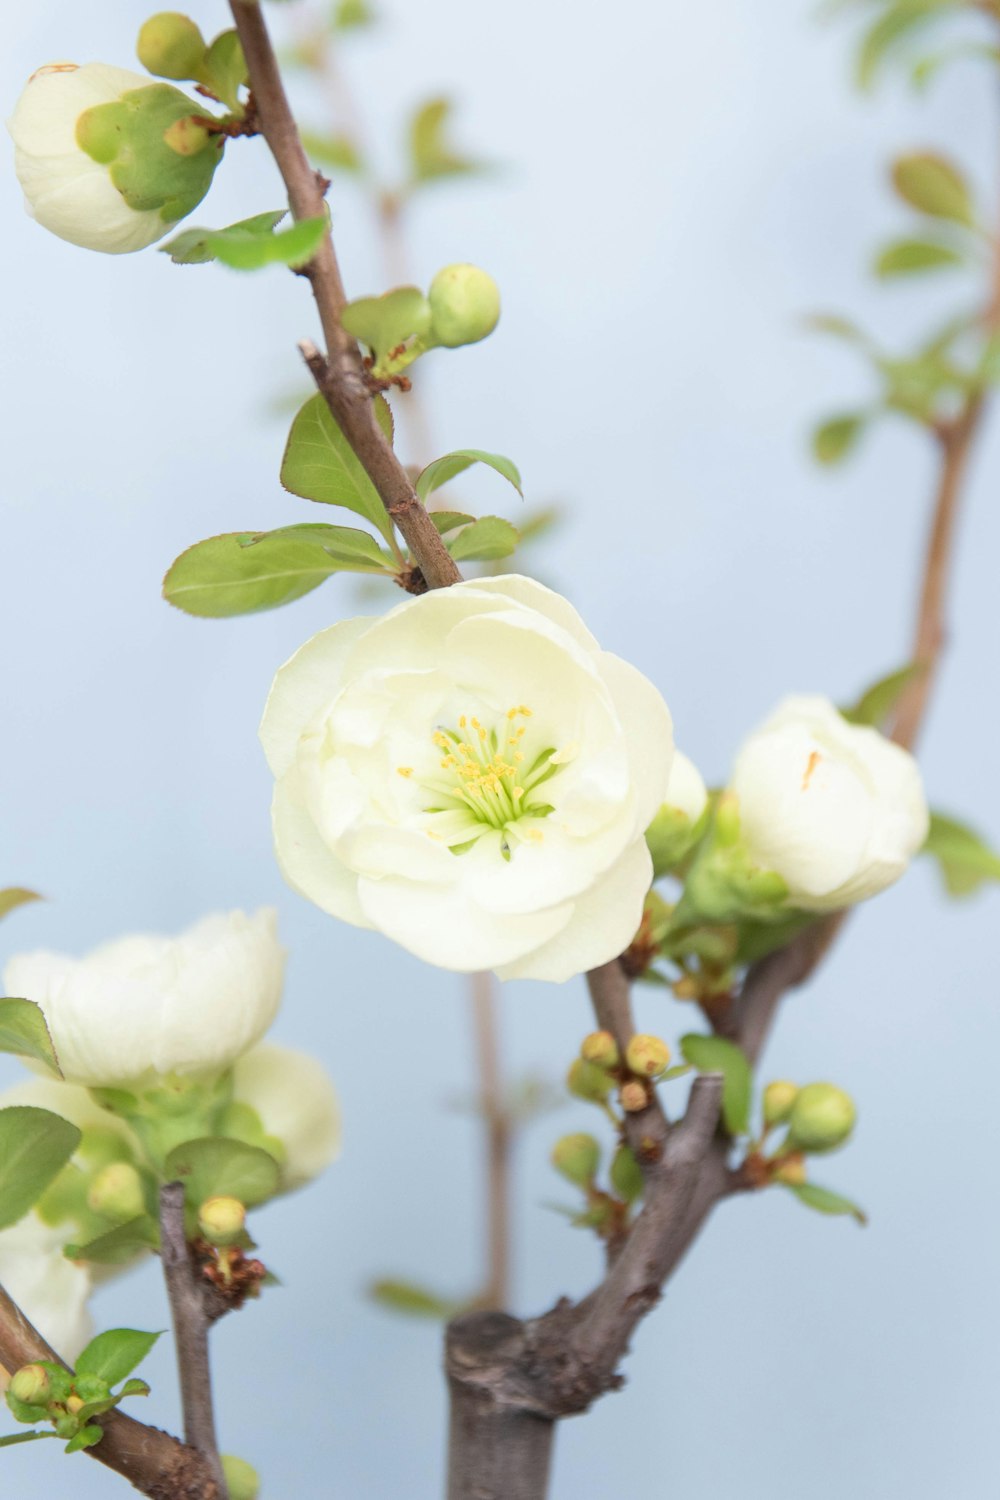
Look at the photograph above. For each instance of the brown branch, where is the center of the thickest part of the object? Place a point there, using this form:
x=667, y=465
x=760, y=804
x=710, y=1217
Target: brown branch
x=191, y=1324
x=339, y=375
x=155, y=1463
x=498, y=1139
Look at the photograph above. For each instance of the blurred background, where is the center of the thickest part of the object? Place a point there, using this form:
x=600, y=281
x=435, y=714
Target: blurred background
x=681, y=184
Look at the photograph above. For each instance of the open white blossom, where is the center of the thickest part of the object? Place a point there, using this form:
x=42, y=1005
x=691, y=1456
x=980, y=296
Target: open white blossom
x=145, y=1006
x=471, y=775
x=835, y=808
x=295, y=1102
x=51, y=1290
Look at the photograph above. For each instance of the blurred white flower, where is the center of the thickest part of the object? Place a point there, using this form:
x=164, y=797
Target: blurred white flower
x=471, y=775
x=686, y=792
x=836, y=809
x=295, y=1103
x=51, y=1290
x=145, y=1006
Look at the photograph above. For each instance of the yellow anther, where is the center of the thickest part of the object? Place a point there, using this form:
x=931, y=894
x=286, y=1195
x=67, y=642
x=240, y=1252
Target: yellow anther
x=405, y=770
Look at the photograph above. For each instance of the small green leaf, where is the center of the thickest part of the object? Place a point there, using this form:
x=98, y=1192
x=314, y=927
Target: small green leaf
x=349, y=14
x=487, y=539
x=338, y=151
x=432, y=155
x=14, y=896
x=909, y=257
x=23, y=1437
x=405, y=1297
x=894, y=26
x=115, y=1354
x=825, y=1202
x=320, y=464
x=120, y=1244
x=443, y=470
x=836, y=438
x=249, y=244
x=24, y=1033
x=383, y=323
x=935, y=186
x=964, y=859
x=35, y=1145
x=221, y=577
x=133, y=1387
x=216, y=1166
x=449, y=520
x=713, y=1054
x=353, y=550
x=878, y=701
x=87, y=1437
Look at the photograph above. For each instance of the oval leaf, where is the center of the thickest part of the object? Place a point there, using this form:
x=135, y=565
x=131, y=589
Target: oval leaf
x=417, y=1301
x=933, y=185
x=909, y=257
x=713, y=1054
x=355, y=551
x=964, y=859
x=442, y=470
x=834, y=440
x=35, y=1145
x=222, y=576
x=118, y=1245
x=825, y=1202
x=487, y=539
x=15, y=895
x=24, y=1033
x=320, y=464
x=215, y=1165
x=115, y=1354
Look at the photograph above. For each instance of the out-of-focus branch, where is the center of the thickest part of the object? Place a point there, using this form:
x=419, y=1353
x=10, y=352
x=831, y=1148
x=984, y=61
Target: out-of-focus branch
x=498, y=1130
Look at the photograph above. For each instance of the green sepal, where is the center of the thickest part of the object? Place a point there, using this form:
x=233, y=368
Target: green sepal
x=127, y=136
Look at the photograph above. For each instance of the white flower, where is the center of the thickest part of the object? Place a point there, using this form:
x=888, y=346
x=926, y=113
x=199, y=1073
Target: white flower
x=295, y=1102
x=686, y=792
x=156, y=1005
x=138, y=189
x=49, y=1289
x=835, y=808
x=472, y=776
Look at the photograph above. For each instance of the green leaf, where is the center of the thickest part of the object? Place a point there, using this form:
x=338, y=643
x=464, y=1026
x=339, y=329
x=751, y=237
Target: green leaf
x=249, y=244
x=840, y=328
x=909, y=257
x=443, y=470
x=115, y=1354
x=87, y=1437
x=825, y=1202
x=878, y=701
x=385, y=322
x=353, y=550
x=24, y=1033
x=221, y=576
x=432, y=155
x=405, y=1297
x=487, y=539
x=23, y=1437
x=713, y=1054
x=320, y=464
x=224, y=69
x=35, y=1145
x=898, y=23
x=836, y=438
x=14, y=896
x=449, y=520
x=120, y=1244
x=133, y=1387
x=964, y=859
x=215, y=1166
x=933, y=185
x=349, y=14
x=337, y=151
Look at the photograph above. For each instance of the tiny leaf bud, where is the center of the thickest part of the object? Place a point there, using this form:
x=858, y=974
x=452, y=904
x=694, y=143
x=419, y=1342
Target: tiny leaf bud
x=822, y=1118
x=792, y=1170
x=647, y=1056
x=221, y=1220
x=779, y=1097
x=587, y=1081
x=601, y=1049
x=31, y=1384
x=116, y=1192
x=634, y=1096
x=577, y=1158
x=171, y=46
x=465, y=305
x=626, y=1175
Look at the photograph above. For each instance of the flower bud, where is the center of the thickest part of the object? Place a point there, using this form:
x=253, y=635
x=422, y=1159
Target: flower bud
x=822, y=1118
x=779, y=1098
x=577, y=1158
x=647, y=1056
x=626, y=1175
x=634, y=1096
x=792, y=1170
x=465, y=305
x=601, y=1049
x=242, y=1479
x=171, y=46
x=587, y=1081
x=222, y=1220
x=116, y=1192
x=31, y=1384
x=671, y=833
x=74, y=1404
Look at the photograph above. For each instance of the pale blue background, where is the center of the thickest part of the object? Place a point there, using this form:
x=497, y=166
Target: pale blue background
x=685, y=182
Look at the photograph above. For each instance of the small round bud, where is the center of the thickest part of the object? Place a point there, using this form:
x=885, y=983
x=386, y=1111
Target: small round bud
x=585, y=1080
x=626, y=1175
x=634, y=1096
x=221, y=1220
x=822, y=1118
x=465, y=305
x=601, y=1049
x=647, y=1056
x=74, y=1404
x=727, y=820
x=242, y=1479
x=116, y=1192
x=31, y=1384
x=779, y=1098
x=792, y=1170
x=171, y=46
x=577, y=1158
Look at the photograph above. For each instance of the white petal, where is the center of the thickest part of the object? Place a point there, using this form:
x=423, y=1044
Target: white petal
x=50, y=1289
x=303, y=688
x=308, y=864
x=295, y=1101
x=649, y=734
x=532, y=595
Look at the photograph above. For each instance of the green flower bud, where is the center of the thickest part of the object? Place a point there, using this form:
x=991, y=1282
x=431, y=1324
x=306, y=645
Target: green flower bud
x=779, y=1098
x=822, y=1118
x=171, y=46
x=792, y=1170
x=634, y=1096
x=242, y=1480
x=222, y=1220
x=626, y=1175
x=577, y=1158
x=31, y=1384
x=465, y=305
x=587, y=1081
x=601, y=1049
x=647, y=1056
x=75, y=1404
x=116, y=1192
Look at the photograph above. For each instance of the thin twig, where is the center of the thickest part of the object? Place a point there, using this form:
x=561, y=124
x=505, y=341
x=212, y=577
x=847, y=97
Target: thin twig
x=191, y=1324
x=498, y=1131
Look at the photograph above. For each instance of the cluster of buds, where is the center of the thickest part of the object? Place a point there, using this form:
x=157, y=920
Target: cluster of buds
x=461, y=306
x=577, y=1158
x=601, y=1068
x=818, y=1118
x=48, y=1392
